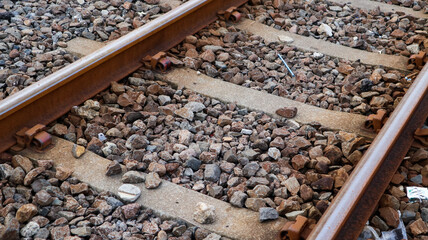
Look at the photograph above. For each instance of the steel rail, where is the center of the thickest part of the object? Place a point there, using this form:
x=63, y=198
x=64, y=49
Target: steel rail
x=53, y=96
x=354, y=204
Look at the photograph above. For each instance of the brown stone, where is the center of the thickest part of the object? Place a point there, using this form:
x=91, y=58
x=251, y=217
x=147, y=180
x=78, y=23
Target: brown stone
x=420, y=154
x=322, y=165
x=390, y=216
x=157, y=168
x=63, y=173
x=299, y=161
x=224, y=120
x=77, y=150
x=58, y=233
x=29, y=178
x=130, y=210
x=299, y=142
x=79, y=188
x=113, y=168
x=23, y=162
x=333, y=153
x=287, y=112
x=397, y=178
x=324, y=183
x=288, y=205
x=306, y=193
x=340, y=177
x=398, y=33
x=280, y=132
x=418, y=227
x=255, y=203
x=26, y=212
x=345, y=68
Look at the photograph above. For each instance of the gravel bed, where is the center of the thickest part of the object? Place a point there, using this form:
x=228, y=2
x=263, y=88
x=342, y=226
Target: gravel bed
x=223, y=52
x=416, y=5
x=33, y=34
x=242, y=157
x=374, y=31
x=414, y=214
x=39, y=202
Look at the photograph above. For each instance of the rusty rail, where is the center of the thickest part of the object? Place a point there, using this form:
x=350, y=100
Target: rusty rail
x=346, y=216
x=54, y=95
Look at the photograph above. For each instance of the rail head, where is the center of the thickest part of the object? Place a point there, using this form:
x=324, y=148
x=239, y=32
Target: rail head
x=346, y=216
x=53, y=96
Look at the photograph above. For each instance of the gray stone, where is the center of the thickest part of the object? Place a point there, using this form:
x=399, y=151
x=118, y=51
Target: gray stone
x=133, y=177
x=238, y=199
x=250, y=169
x=82, y=231
x=195, y=106
x=129, y=192
x=5, y=171
x=250, y=154
x=424, y=214
x=267, y=213
x=212, y=172
x=193, y=163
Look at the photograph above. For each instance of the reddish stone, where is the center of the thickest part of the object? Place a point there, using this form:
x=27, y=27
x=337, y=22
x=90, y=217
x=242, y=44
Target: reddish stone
x=390, y=216
x=287, y=112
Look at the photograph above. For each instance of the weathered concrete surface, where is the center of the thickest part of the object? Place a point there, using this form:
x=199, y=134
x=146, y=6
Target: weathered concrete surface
x=169, y=200
x=370, y=5
x=81, y=47
x=265, y=102
x=315, y=45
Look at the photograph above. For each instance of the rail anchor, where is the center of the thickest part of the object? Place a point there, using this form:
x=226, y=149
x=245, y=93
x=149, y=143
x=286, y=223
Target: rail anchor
x=417, y=60
x=231, y=14
x=35, y=137
x=159, y=61
x=296, y=230
x=376, y=121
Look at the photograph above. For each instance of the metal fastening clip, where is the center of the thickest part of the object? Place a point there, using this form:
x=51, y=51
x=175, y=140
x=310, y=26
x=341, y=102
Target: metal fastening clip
x=296, y=230
x=158, y=61
x=35, y=137
x=232, y=14
x=418, y=60
x=376, y=121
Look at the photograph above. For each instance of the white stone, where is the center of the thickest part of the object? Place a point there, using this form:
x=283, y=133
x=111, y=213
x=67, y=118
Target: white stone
x=413, y=48
x=292, y=185
x=246, y=131
x=285, y=39
x=30, y=229
x=163, y=99
x=324, y=28
x=317, y=55
x=129, y=192
x=204, y=213
x=213, y=236
x=274, y=153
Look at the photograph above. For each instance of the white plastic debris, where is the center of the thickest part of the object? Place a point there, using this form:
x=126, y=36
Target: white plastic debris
x=396, y=234
x=101, y=137
x=417, y=193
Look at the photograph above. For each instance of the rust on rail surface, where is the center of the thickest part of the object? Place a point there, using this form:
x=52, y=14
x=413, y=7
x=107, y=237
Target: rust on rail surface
x=53, y=96
x=351, y=208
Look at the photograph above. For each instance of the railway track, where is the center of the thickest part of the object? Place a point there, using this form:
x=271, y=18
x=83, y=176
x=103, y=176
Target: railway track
x=212, y=125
